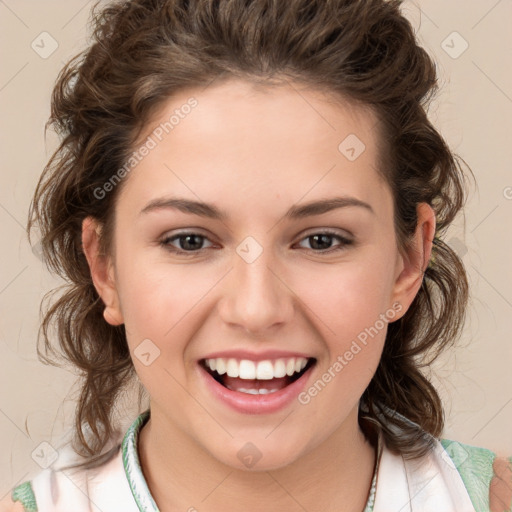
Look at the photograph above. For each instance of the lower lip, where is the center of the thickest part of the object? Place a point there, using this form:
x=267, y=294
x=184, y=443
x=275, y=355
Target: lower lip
x=255, y=404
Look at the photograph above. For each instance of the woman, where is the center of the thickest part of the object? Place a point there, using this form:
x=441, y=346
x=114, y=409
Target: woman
x=281, y=354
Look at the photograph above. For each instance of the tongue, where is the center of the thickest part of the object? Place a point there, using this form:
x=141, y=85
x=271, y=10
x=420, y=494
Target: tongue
x=234, y=383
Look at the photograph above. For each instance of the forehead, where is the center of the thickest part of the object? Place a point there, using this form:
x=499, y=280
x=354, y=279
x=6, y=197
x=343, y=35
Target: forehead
x=241, y=139
x=260, y=110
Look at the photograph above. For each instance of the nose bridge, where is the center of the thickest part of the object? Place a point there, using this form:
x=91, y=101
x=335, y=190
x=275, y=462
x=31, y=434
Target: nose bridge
x=257, y=298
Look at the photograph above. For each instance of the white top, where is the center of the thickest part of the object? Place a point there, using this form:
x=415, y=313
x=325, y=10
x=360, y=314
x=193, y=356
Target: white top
x=430, y=484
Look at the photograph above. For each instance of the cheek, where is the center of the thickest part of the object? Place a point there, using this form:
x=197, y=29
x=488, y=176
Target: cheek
x=158, y=297
x=353, y=316
x=347, y=298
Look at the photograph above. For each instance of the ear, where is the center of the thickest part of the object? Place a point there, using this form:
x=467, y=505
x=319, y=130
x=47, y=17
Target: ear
x=413, y=261
x=102, y=271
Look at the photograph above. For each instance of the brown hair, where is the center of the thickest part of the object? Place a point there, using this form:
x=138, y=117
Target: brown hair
x=142, y=52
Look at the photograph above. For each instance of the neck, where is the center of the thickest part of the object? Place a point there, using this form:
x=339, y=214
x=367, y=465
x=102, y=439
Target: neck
x=334, y=476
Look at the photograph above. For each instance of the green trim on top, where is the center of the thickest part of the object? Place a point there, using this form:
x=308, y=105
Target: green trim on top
x=474, y=465
x=373, y=489
x=371, y=498
x=138, y=485
x=25, y=494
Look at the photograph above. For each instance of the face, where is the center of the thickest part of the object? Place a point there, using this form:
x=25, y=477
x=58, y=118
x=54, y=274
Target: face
x=259, y=317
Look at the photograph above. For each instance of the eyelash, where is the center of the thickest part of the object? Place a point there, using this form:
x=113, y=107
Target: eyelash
x=165, y=242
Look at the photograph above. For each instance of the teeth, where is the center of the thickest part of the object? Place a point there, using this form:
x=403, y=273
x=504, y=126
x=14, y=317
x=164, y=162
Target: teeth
x=257, y=391
x=232, y=368
x=280, y=368
x=219, y=365
x=265, y=370
x=262, y=370
x=250, y=391
x=290, y=367
x=247, y=369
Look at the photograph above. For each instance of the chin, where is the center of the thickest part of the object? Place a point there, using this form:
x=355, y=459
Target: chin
x=257, y=455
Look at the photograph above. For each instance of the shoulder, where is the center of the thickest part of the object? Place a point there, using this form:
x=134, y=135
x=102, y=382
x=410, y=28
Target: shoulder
x=20, y=499
x=486, y=475
x=74, y=482
x=500, y=491
x=8, y=505
x=65, y=483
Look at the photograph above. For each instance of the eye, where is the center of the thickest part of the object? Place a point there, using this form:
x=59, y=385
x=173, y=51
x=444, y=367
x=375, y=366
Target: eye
x=321, y=241
x=187, y=242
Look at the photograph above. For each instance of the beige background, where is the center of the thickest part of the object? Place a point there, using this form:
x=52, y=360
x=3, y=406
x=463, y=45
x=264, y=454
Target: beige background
x=473, y=112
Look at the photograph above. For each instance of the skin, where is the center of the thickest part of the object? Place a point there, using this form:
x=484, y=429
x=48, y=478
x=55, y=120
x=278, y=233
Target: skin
x=253, y=153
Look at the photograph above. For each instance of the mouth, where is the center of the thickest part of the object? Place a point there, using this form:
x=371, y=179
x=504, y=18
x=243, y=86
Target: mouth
x=257, y=377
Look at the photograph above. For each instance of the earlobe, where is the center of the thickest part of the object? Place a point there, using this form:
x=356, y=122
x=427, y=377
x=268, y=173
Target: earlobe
x=100, y=266
x=413, y=262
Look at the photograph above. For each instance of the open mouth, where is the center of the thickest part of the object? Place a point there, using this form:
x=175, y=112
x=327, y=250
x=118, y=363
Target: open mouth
x=257, y=378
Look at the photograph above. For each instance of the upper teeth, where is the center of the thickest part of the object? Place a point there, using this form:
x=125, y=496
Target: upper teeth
x=262, y=370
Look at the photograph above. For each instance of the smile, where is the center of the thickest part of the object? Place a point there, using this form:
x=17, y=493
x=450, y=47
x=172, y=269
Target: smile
x=257, y=377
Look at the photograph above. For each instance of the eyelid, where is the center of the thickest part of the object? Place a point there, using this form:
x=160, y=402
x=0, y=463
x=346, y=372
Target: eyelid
x=174, y=233
x=344, y=234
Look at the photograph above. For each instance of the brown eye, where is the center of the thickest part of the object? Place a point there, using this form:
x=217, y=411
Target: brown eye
x=186, y=242
x=322, y=241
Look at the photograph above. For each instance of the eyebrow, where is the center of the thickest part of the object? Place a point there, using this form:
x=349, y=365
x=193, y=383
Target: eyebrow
x=295, y=212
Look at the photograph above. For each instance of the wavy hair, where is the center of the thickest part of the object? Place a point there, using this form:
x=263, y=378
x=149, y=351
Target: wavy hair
x=144, y=51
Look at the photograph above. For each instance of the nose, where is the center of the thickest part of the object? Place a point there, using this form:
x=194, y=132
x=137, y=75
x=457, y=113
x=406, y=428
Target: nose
x=256, y=297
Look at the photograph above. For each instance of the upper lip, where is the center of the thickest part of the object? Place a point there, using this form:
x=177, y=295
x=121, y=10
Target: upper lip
x=255, y=356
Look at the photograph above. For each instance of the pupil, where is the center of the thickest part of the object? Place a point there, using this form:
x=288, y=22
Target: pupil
x=187, y=245
x=326, y=239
